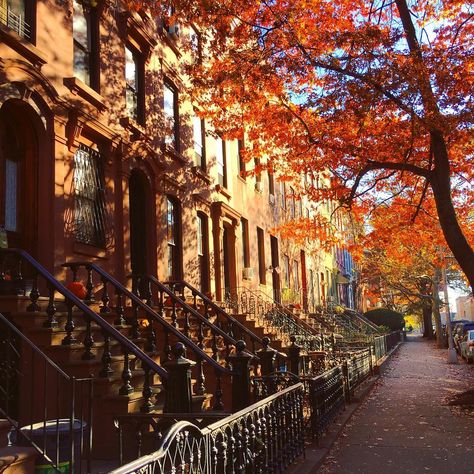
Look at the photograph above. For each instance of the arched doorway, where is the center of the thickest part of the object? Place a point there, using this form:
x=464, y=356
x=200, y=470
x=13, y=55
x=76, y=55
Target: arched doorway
x=19, y=176
x=139, y=199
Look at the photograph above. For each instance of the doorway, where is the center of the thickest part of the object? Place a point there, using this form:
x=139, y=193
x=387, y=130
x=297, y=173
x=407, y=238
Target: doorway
x=275, y=267
x=139, y=235
x=18, y=177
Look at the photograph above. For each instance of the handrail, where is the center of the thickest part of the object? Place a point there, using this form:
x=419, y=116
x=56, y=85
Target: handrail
x=33, y=424
x=156, y=317
x=34, y=347
x=282, y=312
x=189, y=308
x=104, y=325
x=216, y=308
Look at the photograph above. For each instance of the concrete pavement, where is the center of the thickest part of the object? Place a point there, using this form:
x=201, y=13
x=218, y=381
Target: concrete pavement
x=405, y=425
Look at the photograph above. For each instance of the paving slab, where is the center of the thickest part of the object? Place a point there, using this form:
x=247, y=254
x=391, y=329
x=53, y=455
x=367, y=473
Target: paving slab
x=405, y=424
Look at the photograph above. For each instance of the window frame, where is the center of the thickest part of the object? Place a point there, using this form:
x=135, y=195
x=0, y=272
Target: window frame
x=202, y=164
x=139, y=92
x=245, y=242
x=174, y=246
x=175, y=138
x=262, y=271
x=221, y=178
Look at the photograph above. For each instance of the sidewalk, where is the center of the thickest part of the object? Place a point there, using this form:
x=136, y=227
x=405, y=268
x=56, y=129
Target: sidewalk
x=404, y=425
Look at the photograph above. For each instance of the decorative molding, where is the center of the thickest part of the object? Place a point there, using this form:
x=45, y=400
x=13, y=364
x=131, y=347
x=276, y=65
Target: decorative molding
x=22, y=47
x=77, y=87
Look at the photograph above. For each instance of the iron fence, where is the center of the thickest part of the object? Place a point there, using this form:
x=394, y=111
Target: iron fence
x=265, y=437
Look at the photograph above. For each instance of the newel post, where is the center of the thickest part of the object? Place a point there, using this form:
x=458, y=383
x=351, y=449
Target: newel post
x=267, y=357
x=178, y=393
x=294, y=356
x=239, y=361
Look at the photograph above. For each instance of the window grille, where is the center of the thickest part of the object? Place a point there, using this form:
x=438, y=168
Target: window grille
x=12, y=14
x=89, y=197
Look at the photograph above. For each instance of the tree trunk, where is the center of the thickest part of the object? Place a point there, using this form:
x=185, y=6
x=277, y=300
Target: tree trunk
x=435, y=308
x=441, y=185
x=427, y=321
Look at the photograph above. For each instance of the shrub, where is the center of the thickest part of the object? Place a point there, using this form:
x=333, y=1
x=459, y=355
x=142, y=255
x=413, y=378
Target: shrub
x=386, y=317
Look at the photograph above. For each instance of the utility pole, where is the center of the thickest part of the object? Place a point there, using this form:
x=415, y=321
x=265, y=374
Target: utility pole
x=452, y=356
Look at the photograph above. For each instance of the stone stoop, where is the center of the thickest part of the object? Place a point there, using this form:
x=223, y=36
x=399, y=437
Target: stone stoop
x=17, y=460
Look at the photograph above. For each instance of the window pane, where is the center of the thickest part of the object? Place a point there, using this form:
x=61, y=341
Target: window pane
x=131, y=81
x=170, y=113
x=200, y=236
x=81, y=36
x=11, y=190
x=221, y=164
x=198, y=141
x=171, y=223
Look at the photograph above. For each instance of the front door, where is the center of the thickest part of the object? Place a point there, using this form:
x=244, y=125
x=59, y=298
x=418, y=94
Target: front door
x=138, y=223
x=275, y=266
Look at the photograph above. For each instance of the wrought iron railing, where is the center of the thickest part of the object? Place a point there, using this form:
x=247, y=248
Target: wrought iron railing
x=15, y=263
x=14, y=21
x=358, y=367
x=143, y=311
x=223, y=319
x=384, y=344
x=47, y=408
x=265, y=437
x=325, y=397
x=269, y=313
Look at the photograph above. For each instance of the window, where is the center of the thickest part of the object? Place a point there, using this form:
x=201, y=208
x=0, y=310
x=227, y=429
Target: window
x=195, y=45
x=296, y=277
x=286, y=269
x=199, y=143
x=89, y=197
x=203, y=251
x=271, y=183
x=283, y=194
x=173, y=239
x=240, y=148
x=245, y=242
x=262, y=272
x=171, y=112
x=134, y=90
x=292, y=203
x=15, y=15
x=85, y=29
x=258, y=175
x=221, y=162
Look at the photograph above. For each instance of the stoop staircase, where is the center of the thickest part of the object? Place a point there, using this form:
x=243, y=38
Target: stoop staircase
x=108, y=355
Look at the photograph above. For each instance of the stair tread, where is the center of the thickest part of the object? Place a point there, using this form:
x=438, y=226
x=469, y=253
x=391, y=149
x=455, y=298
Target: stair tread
x=10, y=455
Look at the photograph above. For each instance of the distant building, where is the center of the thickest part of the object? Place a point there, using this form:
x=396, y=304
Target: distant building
x=465, y=308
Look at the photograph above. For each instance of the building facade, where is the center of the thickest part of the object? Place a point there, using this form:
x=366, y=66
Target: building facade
x=103, y=158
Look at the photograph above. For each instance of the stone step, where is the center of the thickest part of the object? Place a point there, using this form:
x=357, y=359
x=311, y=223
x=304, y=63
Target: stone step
x=17, y=460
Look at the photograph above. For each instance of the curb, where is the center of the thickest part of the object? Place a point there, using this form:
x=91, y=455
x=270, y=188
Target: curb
x=317, y=451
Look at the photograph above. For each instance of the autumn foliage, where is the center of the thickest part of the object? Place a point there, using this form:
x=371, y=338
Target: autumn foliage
x=378, y=94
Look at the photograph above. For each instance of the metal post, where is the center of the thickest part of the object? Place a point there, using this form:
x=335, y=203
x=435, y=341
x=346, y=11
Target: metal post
x=267, y=357
x=452, y=356
x=294, y=356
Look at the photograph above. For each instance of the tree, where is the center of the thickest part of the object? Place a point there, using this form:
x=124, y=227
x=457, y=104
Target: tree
x=386, y=317
x=378, y=94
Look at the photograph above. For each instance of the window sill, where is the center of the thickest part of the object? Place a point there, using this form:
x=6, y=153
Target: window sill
x=76, y=86
x=200, y=173
x=242, y=180
x=173, y=153
x=22, y=46
x=224, y=191
x=89, y=250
